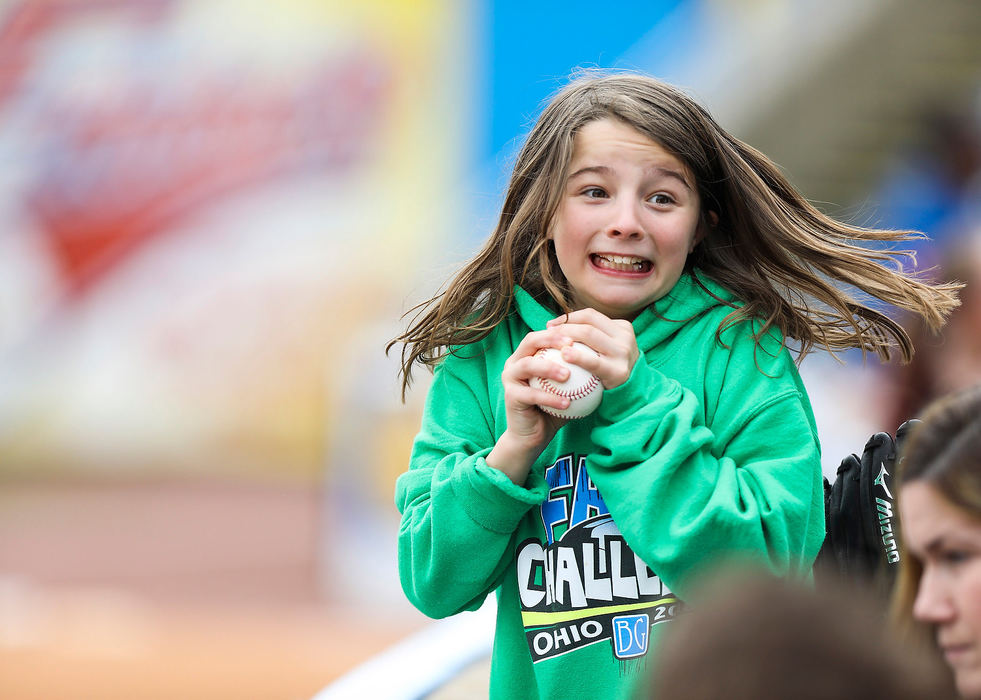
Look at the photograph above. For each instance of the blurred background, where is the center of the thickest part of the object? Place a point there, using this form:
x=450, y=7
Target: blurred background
x=213, y=215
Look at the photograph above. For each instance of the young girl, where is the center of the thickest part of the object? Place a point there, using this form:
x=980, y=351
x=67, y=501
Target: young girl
x=939, y=499
x=637, y=226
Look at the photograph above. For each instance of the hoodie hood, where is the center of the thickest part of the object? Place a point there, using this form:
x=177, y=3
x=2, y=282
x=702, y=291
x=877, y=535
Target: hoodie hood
x=691, y=297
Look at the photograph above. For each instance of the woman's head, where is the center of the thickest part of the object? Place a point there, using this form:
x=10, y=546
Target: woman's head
x=944, y=451
x=940, y=509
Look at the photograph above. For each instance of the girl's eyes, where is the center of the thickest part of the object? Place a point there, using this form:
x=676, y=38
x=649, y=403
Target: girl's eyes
x=660, y=199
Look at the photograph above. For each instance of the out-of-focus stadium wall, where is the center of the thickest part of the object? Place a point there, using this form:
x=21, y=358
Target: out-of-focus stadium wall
x=206, y=204
x=212, y=215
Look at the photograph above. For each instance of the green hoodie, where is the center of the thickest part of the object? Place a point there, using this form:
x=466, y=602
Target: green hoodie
x=708, y=451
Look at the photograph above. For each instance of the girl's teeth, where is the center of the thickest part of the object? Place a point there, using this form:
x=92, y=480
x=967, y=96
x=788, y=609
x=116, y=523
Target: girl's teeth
x=626, y=263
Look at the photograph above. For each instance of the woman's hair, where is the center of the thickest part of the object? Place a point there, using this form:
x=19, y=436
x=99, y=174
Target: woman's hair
x=944, y=451
x=751, y=635
x=777, y=253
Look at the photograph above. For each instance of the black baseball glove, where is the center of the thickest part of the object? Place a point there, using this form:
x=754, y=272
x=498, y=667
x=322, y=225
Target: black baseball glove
x=861, y=545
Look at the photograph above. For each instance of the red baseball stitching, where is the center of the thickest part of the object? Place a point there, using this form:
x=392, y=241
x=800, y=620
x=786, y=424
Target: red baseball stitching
x=574, y=394
x=579, y=393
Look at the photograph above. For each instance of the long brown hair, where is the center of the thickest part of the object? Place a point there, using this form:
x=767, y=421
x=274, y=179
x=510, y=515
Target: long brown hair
x=944, y=450
x=783, y=258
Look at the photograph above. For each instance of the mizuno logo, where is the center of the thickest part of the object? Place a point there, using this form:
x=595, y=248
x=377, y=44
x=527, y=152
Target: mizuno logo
x=885, y=530
x=881, y=481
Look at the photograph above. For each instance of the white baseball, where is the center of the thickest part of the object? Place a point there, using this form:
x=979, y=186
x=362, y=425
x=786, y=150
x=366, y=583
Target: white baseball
x=583, y=388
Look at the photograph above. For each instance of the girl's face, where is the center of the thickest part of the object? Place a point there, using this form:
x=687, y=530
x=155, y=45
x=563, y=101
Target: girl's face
x=627, y=220
x=948, y=542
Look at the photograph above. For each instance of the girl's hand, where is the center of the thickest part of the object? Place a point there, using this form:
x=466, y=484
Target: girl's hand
x=613, y=339
x=529, y=429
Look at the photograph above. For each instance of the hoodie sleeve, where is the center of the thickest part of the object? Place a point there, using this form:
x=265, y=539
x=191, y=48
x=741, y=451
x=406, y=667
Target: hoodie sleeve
x=686, y=493
x=459, y=515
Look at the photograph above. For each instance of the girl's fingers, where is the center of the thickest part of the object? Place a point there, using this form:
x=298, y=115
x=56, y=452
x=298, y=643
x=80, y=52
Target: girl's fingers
x=613, y=339
x=616, y=341
x=530, y=396
x=593, y=328
x=536, y=340
x=589, y=317
x=525, y=364
x=525, y=368
x=583, y=358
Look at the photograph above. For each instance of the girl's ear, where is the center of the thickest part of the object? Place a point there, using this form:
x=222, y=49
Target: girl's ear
x=699, y=235
x=709, y=220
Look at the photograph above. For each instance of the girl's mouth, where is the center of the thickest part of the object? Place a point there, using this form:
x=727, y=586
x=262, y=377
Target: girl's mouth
x=621, y=263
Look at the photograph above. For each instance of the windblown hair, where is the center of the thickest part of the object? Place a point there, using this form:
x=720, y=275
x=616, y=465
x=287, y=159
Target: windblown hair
x=944, y=451
x=776, y=252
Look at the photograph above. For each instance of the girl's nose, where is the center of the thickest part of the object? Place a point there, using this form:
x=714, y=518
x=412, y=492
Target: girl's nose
x=626, y=222
x=933, y=603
